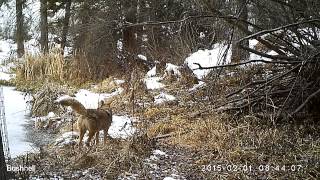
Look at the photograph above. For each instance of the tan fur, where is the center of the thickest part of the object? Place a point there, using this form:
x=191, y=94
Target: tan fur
x=92, y=120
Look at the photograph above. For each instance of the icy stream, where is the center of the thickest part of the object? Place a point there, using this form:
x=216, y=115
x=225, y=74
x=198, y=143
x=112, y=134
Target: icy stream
x=16, y=117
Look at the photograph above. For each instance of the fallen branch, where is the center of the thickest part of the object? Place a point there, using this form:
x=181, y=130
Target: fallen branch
x=157, y=23
x=164, y=136
x=248, y=62
x=267, y=81
x=246, y=86
x=260, y=33
x=245, y=105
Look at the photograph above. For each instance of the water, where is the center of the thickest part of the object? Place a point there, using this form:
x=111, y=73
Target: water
x=16, y=116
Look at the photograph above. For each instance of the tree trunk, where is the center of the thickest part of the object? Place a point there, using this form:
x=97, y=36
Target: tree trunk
x=44, y=27
x=66, y=25
x=82, y=39
x=129, y=33
x=19, y=28
x=129, y=40
x=237, y=53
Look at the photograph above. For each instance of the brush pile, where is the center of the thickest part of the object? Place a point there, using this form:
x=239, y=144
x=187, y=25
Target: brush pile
x=43, y=100
x=282, y=86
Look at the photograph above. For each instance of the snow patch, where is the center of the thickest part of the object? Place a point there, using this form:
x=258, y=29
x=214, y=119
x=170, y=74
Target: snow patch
x=6, y=76
x=89, y=99
x=159, y=152
x=68, y=138
x=163, y=97
x=51, y=115
x=169, y=178
x=44, y=118
x=207, y=58
x=119, y=45
x=152, y=72
x=6, y=52
x=6, y=68
x=7, y=49
x=119, y=81
x=143, y=57
x=197, y=86
x=121, y=127
x=49, y=121
x=153, y=162
x=153, y=83
x=174, y=68
x=202, y=35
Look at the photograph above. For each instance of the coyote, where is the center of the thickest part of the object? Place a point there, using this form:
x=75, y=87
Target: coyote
x=93, y=120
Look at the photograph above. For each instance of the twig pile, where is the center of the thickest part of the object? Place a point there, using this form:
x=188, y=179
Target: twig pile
x=288, y=86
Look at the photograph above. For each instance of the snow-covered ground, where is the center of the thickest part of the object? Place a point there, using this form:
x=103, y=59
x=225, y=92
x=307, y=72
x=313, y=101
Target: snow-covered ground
x=213, y=57
x=163, y=97
x=152, y=82
x=6, y=51
x=15, y=109
x=207, y=58
x=7, y=48
x=196, y=86
x=121, y=127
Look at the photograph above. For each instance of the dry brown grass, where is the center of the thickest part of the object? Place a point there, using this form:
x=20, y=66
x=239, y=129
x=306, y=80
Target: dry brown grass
x=231, y=138
x=109, y=161
x=78, y=70
x=222, y=141
x=43, y=100
x=53, y=67
x=106, y=86
x=39, y=67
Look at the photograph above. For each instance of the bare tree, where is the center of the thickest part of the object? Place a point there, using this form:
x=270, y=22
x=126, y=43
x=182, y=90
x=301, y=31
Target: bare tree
x=239, y=54
x=44, y=26
x=66, y=24
x=129, y=39
x=19, y=28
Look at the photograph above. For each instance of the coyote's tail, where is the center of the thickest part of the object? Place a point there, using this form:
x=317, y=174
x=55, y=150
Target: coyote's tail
x=74, y=104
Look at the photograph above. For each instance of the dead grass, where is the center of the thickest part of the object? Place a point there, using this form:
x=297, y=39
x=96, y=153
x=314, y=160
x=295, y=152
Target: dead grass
x=69, y=126
x=230, y=138
x=78, y=69
x=39, y=67
x=106, y=86
x=109, y=161
x=224, y=142
x=43, y=100
x=53, y=67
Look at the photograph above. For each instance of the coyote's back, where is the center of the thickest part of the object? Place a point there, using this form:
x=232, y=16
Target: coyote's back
x=92, y=120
